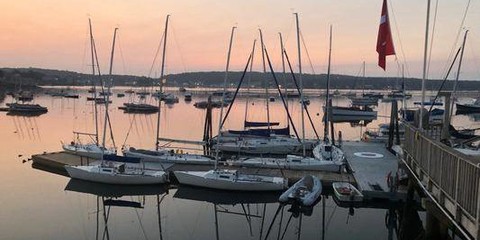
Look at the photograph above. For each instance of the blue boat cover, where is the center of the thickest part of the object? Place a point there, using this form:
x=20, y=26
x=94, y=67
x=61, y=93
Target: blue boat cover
x=260, y=124
x=116, y=158
x=263, y=132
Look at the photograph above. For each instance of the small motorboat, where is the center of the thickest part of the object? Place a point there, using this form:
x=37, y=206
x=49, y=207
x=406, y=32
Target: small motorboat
x=346, y=192
x=305, y=192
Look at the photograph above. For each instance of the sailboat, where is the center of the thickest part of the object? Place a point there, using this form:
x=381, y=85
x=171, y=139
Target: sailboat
x=115, y=169
x=325, y=150
x=229, y=179
x=360, y=105
x=466, y=108
x=93, y=149
x=160, y=154
x=255, y=138
x=327, y=162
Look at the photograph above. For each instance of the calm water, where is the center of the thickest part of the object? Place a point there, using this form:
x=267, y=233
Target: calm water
x=40, y=205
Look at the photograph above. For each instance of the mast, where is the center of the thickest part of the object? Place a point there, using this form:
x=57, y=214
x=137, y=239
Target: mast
x=248, y=84
x=363, y=77
x=327, y=98
x=95, y=113
x=161, y=83
x=420, y=125
x=282, y=49
x=266, y=81
x=458, y=73
x=108, y=88
x=223, y=94
x=302, y=98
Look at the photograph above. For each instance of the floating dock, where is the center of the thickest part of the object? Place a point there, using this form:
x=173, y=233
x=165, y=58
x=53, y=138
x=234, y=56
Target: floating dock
x=55, y=162
x=371, y=163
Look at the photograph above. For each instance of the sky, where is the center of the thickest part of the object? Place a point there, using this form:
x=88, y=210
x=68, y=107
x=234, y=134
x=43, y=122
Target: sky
x=54, y=34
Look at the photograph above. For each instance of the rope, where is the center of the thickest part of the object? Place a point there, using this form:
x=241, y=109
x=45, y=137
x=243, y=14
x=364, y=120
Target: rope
x=454, y=46
x=306, y=51
x=156, y=55
x=399, y=40
x=431, y=41
x=178, y=48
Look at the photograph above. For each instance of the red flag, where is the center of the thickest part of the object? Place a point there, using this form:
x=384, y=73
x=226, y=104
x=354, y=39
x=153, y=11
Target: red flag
x=384, y=39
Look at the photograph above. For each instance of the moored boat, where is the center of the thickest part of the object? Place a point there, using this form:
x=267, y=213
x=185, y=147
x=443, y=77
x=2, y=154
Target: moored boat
x=346, y=192
x=116, y=174
x=230, y=180
x=305, y=191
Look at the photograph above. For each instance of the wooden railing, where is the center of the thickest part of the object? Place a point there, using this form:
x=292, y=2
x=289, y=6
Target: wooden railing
x=455, y=175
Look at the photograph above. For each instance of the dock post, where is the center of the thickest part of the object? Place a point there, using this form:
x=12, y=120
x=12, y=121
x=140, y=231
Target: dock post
x=436, y=226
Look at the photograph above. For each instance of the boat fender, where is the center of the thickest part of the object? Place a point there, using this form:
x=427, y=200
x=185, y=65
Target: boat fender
x=389, y=179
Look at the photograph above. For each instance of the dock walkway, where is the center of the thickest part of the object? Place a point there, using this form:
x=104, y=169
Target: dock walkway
x=371, y=163
x=55, y=162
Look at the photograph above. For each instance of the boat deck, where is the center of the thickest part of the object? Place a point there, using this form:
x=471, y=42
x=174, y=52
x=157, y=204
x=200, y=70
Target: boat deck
x=370, y=164
x=55, y=162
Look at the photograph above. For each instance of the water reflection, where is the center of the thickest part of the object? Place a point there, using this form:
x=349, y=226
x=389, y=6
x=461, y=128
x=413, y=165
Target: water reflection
x=110, y=197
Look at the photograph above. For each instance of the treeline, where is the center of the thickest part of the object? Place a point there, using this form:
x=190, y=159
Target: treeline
x=42, y=77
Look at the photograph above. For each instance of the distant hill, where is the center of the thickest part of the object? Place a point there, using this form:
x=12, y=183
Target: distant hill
x=43, y=77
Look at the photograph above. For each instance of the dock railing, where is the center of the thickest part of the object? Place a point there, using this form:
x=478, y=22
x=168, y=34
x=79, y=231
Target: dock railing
x=451, y=177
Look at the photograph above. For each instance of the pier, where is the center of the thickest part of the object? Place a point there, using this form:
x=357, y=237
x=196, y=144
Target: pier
x=55, y=162
x=450, y=179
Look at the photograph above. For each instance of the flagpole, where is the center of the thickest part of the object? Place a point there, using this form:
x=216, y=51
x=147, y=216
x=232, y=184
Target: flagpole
x=420, y=124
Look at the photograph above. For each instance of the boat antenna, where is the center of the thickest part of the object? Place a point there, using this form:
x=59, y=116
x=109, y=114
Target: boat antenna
x=302, y=97
x=223, y=94
x=161, y=83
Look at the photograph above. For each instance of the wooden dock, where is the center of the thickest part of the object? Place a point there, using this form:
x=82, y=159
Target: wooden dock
x=55, y=162
x=370, y=164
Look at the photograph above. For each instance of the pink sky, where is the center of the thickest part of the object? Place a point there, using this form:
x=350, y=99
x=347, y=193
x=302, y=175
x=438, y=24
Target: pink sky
x=53, y=34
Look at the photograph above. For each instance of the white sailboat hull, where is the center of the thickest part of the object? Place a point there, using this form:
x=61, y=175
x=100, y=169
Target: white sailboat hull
x=110, y=176
x=263, y=146
x=87, y=150
x=291, y=162
x=165, y=156
x=218, y=180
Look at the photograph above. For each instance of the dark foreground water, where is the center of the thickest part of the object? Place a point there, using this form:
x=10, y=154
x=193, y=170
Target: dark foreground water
x=37, y=204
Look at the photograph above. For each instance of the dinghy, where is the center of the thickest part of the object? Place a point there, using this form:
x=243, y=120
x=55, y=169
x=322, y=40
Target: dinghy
x=305, y=192
x=346, y=192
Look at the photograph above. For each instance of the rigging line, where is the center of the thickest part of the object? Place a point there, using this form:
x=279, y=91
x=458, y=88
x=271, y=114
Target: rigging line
x=407, y=69
x=156, y=55
x=298, y=89
x=250, y=73
x=236, y=91
x=177, y=45
x=140, y=222
x=121, y=54
x=85, y=44
x=432, y=37
x=306, y=51
x=281, y=95
x=128, y=132
x=467, y=7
